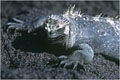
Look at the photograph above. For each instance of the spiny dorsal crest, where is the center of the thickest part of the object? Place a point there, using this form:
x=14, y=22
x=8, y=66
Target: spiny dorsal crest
x=117, y=17
x=72, y=13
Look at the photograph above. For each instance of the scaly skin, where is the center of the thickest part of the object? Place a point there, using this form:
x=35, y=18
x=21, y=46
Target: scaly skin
x=88, y=34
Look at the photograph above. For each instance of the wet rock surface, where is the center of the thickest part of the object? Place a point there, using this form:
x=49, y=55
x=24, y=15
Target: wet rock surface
x=21, y=57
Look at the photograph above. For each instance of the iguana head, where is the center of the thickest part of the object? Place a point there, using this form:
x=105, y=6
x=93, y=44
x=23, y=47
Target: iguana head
x=57, y=28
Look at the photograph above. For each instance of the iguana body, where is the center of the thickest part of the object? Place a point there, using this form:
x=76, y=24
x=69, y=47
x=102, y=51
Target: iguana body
x=88, y=34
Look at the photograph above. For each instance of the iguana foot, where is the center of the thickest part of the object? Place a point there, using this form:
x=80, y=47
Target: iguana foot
x=79, y=57
x=68, y=61
x=17, y=25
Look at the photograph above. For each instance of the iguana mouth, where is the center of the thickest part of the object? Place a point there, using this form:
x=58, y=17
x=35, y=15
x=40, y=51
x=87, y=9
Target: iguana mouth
x=59, y=39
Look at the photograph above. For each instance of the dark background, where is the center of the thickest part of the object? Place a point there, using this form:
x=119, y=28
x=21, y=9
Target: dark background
x=19, y=60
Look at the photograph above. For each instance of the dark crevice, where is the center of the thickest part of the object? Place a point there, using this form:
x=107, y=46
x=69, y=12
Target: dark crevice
x=30, y=43
x=37, y=43
x=111, y=59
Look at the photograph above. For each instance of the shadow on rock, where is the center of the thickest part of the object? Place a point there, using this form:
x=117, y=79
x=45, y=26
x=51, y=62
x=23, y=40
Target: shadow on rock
x=30, y=43
x=36, y=44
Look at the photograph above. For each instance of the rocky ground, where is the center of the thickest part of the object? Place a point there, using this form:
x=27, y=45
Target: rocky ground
x=21, y=57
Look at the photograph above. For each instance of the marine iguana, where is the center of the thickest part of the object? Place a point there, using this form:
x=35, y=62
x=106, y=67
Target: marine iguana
x=72, y=29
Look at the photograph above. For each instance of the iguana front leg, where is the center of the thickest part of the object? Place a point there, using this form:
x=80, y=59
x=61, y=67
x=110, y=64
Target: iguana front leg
x=78, y=56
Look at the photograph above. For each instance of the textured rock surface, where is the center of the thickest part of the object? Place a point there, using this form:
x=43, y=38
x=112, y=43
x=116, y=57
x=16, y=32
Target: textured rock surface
x=21, y=57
